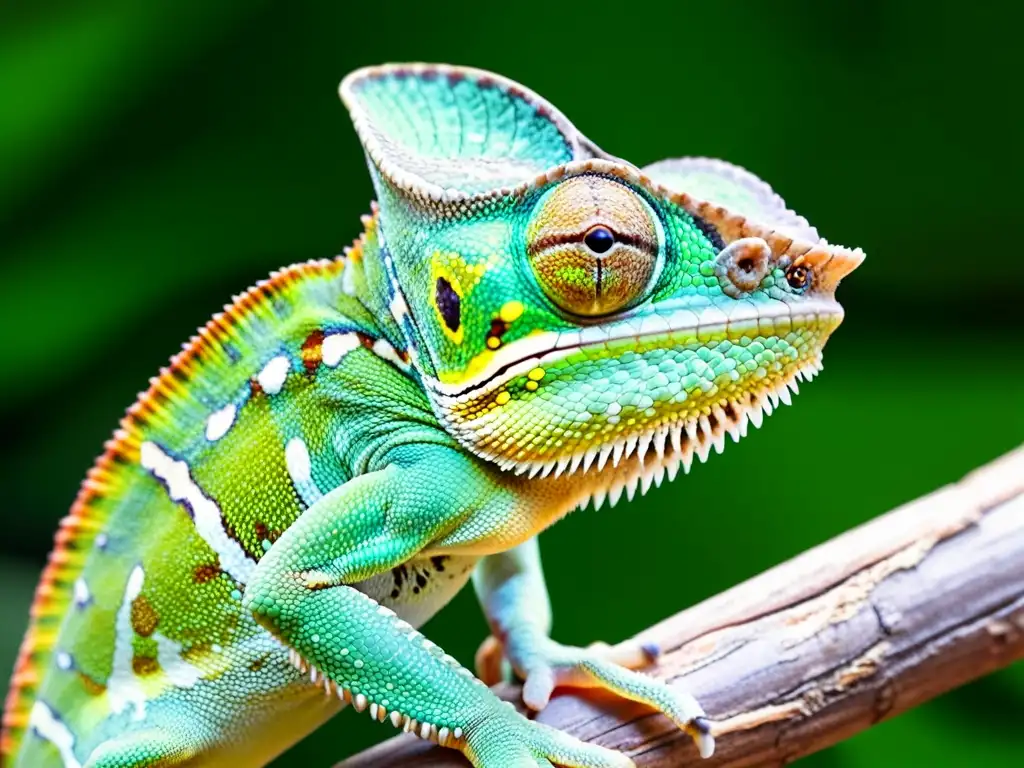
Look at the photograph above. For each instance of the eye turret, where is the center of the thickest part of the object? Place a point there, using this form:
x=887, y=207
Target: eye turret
x=593, y=245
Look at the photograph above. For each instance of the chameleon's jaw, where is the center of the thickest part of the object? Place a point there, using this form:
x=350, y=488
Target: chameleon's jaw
x=636, y=463
x=640, y=398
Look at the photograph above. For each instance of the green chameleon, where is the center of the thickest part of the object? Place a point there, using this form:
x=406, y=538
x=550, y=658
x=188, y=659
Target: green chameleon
x=527, y=325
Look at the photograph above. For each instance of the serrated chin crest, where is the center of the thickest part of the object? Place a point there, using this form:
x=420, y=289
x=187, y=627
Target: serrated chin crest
x=647, y=458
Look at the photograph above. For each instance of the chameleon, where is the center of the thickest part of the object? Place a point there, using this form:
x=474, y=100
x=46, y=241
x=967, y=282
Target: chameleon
x=526, y=325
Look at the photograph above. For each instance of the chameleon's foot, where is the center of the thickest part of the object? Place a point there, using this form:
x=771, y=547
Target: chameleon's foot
x=509, y=740
x=492, y=667
x=544, y=665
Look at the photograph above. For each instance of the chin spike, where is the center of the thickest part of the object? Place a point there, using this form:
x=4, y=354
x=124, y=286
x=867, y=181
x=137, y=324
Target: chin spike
x=703, y=449
x=659, y=442
x=631, y=486
x=614, y=495
x=642, y=444
x=617, y=450
x=676, y=436
x=631, y=443
x=575, y=463
x=784, y=395
x=687, y=462
x=756, y=416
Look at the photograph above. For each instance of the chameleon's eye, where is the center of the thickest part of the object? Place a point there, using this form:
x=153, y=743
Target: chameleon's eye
x=798, y=277
x=593, y=245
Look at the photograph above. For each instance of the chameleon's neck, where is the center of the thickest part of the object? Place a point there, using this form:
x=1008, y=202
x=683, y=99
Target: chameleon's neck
x=367, y=278
x=381, y=293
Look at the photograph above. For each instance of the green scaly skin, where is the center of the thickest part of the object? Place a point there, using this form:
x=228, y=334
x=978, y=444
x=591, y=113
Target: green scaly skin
x=526, y=326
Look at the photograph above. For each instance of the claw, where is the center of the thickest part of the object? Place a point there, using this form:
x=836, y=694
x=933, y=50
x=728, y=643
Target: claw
x=700, y=731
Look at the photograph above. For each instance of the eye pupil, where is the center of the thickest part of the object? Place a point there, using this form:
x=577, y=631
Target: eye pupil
x=797, y=277
x=599, y=239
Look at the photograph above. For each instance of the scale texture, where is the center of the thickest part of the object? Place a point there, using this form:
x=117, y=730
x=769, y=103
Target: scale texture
x=526, y=325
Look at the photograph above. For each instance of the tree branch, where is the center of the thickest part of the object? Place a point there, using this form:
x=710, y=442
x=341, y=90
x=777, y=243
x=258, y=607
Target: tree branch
x=857, y=630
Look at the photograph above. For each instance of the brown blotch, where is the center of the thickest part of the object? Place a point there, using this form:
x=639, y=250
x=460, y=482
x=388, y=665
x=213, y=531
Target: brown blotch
x=262, y=532
x=498, y=329
x=144, y=616
x=254, y=387
x=257, y=664
x=366, y=341
x=91, y=686
x=144, y=665
x=311, y=351
x=206, y=572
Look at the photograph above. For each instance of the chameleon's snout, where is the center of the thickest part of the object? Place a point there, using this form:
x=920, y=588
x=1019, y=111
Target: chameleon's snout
x=829, y=264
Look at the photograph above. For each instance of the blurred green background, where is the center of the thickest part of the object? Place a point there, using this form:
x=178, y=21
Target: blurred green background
x=156, y=158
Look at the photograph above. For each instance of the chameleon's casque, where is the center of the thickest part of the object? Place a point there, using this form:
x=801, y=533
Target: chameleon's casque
x=526, y=324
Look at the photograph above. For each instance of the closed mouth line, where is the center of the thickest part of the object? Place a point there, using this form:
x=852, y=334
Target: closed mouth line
x=551, y=346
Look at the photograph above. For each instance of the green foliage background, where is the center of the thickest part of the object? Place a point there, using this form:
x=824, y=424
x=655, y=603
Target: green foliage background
x=156, y=158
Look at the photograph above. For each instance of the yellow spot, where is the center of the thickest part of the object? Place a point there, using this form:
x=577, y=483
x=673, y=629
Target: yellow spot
x=532, y=385
x=511, y=311
x=536, y=374
x=493, y=342
x=503, y=397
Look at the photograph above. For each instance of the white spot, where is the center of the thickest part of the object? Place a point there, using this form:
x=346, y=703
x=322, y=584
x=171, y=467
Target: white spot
x=296, y=459
x=101, y=541
x=49, y=727
x=135, y=581
x=123, y=687
x=220, y=422
x=64, y=660
x=348, y=278
x=180, y=673
x=271, y=378
x=205, y=513
x=383, y=349
x=81, y=592
x=336, y=346
x=399, y=308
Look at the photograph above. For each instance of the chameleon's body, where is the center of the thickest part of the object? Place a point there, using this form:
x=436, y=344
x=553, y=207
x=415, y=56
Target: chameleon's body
x=525, y=325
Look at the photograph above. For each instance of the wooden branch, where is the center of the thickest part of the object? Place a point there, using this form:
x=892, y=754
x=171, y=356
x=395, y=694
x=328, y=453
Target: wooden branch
x=857, y=630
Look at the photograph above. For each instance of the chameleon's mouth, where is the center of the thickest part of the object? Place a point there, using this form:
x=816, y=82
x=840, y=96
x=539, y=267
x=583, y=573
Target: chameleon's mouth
x=668, y=384
x=675, y=318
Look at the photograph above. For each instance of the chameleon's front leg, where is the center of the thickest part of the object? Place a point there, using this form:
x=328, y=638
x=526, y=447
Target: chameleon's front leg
x=511, y=589
x=301, y=593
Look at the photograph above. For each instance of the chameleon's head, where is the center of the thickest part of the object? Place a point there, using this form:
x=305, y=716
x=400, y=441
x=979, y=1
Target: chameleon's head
x=570, y=311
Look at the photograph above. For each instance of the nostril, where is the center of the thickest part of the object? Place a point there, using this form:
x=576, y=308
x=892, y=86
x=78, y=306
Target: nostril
x=742, y=265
